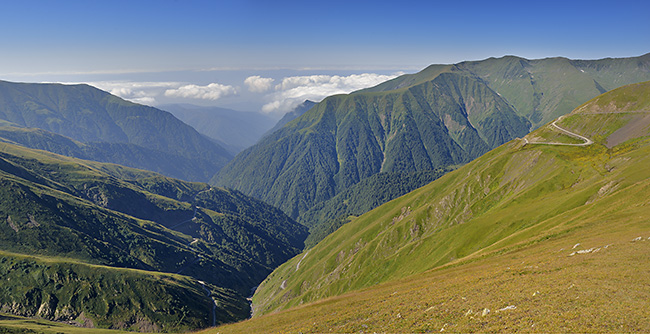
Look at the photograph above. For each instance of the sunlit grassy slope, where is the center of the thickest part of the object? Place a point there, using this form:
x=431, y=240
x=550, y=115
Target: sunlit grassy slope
x=16, y=324
x=527, y=237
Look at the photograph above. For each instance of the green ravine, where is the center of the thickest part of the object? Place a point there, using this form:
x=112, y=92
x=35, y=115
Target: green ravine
x=515, y=196
x=85, y=213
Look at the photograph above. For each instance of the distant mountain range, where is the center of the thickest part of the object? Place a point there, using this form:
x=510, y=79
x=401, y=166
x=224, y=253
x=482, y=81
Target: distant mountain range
x=549, y=230
x=234, y=130
x=445, y=115
x=94, y=124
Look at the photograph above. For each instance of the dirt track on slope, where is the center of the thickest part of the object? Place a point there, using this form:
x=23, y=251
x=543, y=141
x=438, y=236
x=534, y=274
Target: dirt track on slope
x=586, y=140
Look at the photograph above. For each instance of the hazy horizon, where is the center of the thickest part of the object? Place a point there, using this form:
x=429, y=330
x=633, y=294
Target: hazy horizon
x=267, y=57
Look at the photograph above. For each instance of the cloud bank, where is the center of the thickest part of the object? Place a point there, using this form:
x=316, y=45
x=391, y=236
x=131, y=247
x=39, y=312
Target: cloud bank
x=257, y=84
x=147, y=92
x=138, y=92
x=213, y=91
x=294, y=90
x=268, y=95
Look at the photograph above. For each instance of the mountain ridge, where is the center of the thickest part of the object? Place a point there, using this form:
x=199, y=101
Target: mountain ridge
x=89, y=115
x=291, y=115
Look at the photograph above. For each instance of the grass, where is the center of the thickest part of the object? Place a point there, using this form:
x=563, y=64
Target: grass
x=627, y=98
x=384, y=242
x=72, y=292
x=516, y=198
x=537, y=270
x=550, y=289
x=15, y=324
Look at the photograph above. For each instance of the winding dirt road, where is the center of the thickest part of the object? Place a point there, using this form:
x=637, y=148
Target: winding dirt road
x=586, y=140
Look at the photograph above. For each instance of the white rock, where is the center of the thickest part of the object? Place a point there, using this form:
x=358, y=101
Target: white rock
x=509, y=307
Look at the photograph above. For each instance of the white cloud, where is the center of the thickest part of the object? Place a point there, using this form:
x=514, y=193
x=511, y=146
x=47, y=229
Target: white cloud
x=146, y=100
x=213, y=91
x=294, y=90
x=138, y=92
x=258, y=84
x=148, y=92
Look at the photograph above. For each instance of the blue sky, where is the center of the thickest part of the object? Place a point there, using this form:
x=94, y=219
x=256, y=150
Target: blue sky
x=198, y=43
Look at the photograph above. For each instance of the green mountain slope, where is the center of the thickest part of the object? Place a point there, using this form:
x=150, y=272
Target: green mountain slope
x=346, y=138
x=586, y=274
x=516, y=196
x=442, y=116
x=89, y=115
x=104, y=214
x=541, y=89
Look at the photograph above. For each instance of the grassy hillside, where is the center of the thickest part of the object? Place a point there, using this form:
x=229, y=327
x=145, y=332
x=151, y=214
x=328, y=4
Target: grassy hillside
x=16, y=324
x=517, y=198
x=89, y=115
x=104, y=214
x=539, y=284
x=443, y=116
